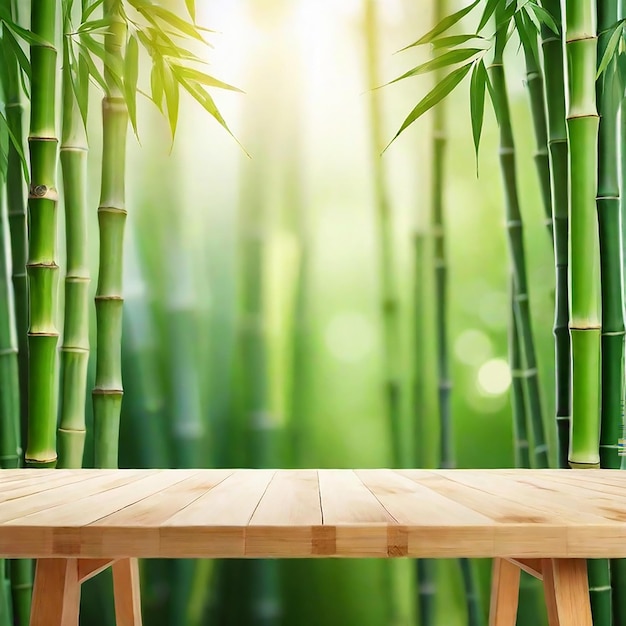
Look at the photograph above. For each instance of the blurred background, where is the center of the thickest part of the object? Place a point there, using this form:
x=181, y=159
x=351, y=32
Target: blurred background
x=253, y=333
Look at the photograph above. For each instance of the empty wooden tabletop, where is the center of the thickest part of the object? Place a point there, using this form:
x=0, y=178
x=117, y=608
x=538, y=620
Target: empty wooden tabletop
x=312, y=513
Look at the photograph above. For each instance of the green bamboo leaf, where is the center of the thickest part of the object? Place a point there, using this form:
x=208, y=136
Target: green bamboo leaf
x=454, y=40
x=156, y=83
x=443, y=26
x=131, y=74
x=17, y=50
x=490, y=8
x=543, y=16
x=173, y=20
x=172, y=97
x=436, y=95
x=611, y=47
x=17, y=144
x=28, y=36
x=208, y=104
x=448, y=58
x=200, y=77
x=89, y=9
x=478, y=83
x=532, y=17
x=191, y=8
x=89, y=27
x=94, y=72
x=527, y=35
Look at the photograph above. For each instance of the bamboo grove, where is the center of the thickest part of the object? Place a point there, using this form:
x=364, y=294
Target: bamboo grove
x=573, y=54
x=130, y=336
x=68, y=48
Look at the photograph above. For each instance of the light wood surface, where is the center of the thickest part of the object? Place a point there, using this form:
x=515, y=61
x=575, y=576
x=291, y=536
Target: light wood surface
x=525, y=514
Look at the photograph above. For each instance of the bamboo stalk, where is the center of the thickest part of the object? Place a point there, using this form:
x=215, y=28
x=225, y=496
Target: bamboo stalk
x=108, y=391
x=608, y=200
x=518, y=375
x=552, y=47
x=536, y=96
x=516, y=247
x=16, y=199
x=608, y=580
x=75, y=347
x=585, y=330
x=10, y=452
x=42, y=267
x=389, y=298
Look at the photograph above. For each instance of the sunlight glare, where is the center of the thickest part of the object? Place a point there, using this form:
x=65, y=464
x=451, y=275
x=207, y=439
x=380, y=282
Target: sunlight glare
x=494, y=377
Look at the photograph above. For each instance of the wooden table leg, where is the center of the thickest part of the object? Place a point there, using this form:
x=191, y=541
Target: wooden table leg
x=567, y=592
x=504, y=593
x=126, y=590
x=56, y=594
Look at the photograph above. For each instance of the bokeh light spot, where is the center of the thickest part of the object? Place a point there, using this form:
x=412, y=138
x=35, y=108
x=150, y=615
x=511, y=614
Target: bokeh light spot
x=494, y=377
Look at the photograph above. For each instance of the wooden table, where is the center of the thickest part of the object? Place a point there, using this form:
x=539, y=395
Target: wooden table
x=78, y=522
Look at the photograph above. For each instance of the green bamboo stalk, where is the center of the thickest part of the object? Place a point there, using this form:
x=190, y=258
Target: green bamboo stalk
x=552, y=47
x=426, y=569
x=42, y=267
x=75, y=347
x=10, y=452
x=521, y=443
x=10, y=398
x=108, y=391
x=607, y=601
x=582, y=125
x=608, y=200
x=536, y=96
x=16, y=198
x=618, y=566
x=389, y=297
x=6, y=610
x=516, y=245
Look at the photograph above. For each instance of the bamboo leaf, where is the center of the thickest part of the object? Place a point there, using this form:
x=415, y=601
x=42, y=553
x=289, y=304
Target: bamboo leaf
x=448, y=58
x=94, y=72
x=173, y=20
x=611, y=47
x=131, y=74
x=490, y=8
x=88, y=10
x=28, y=36
x=478, y=83
x=17, y=50
x=17, y=144
x=436, y=95
x=170, y=87
x=89, y=27
x=527, y=35
x=208, y=104
x=191, y=8
x=200, y=77
x=445, y=24
x=156, y=83
x=454, y=40
x=544, y=17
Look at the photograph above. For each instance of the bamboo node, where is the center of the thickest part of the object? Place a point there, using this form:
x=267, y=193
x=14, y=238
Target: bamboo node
x=8, y=351
x=43, y=191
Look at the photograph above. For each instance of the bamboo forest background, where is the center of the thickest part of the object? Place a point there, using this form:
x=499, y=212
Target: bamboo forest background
x=257, y=327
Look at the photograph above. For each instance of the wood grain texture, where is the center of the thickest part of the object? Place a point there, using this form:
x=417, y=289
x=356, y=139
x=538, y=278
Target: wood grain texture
x=504, y=593
x=567, y=592
x=112, y=514
x=56, y=593
x=126, y=592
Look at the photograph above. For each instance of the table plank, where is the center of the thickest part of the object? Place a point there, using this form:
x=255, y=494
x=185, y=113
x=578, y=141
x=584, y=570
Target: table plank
x=288, y=516
x=354, y=521
x=426, y=518
x=214, y=524
x=312, y=513
x=136, y=528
